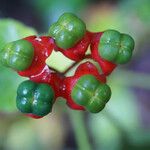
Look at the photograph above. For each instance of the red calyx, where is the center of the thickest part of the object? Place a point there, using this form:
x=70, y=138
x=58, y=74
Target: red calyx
x=50, y=77
x=43, y=47
x=107, y=67
x=69, y=82
x=66, y=90
x=33, y=116
x=89, y=68
x=77, y=52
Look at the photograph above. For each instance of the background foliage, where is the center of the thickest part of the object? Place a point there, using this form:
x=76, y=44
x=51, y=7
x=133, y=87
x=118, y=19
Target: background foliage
x=124, y=124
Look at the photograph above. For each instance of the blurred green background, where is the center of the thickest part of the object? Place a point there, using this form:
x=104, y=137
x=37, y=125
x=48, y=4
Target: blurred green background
x=125, y=122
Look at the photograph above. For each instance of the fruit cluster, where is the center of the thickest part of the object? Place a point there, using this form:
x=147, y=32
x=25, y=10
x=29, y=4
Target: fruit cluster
x=93, y=56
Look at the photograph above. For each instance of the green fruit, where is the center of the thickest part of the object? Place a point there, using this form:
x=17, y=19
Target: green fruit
x=35, y=98
x=116, y=47
x=91, y=93
x=17, y=55
x=67, y=31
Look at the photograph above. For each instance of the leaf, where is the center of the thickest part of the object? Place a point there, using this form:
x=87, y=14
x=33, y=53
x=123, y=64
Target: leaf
x=8, y=84
x=11, y=30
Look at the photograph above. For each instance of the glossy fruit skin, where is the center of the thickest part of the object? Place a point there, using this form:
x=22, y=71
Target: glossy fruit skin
x=91, y=93
x=33, y=98
x=116, y=47
x=107, y=66
x=43, y=46
x=67, y=31
x=77, y=52
x=17, y=55
x=69, y=82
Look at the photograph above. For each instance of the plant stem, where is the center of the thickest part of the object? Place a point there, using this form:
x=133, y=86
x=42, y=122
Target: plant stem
x=130, y=78
x=80, y=132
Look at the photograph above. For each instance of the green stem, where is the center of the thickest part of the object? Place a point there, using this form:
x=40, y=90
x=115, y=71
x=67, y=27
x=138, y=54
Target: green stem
x=119, y=126
x=77, y=120
x=130, y=78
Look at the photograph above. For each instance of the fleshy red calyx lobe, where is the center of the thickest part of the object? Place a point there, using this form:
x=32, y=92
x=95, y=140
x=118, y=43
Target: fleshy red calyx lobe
x=43, y=47
x=107, y=66
x=69, y=82
x=77, y=52
x=34, y=116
